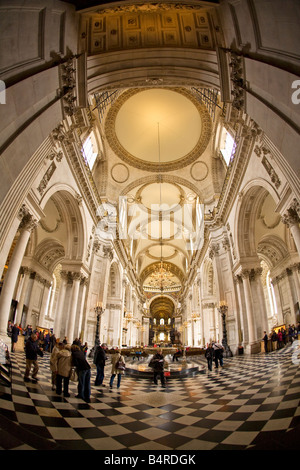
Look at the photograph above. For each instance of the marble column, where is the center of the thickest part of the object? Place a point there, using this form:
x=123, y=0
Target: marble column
x=292, y=219
x=44, y=304
x=249, y=306
x=26, y=226
x=26, y=274
x=76, y=276
x=60, y=303
x=81, y=322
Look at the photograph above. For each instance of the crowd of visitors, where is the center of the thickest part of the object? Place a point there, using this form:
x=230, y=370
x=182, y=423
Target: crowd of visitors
x=214, y=353
x=69, y=361
x=281, y=337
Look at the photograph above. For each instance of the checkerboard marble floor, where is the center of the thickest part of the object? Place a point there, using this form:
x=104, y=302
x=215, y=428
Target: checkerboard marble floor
x=250, y=403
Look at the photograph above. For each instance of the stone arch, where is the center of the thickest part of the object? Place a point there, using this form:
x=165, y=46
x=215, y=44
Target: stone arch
x=70, y=216
x=251, y=200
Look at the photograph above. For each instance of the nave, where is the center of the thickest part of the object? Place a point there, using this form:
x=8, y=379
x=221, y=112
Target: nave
x=252, y=403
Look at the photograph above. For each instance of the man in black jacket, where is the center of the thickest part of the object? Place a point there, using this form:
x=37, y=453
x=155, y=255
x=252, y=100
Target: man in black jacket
x=32, y=350
x=99, y=361
x=158, y=368
x=84, y=373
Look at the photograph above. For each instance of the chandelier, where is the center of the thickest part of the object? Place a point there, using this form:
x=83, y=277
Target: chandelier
x=162, y=277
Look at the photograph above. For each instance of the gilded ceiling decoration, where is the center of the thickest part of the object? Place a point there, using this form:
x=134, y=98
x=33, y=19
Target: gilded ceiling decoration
x=146, y=25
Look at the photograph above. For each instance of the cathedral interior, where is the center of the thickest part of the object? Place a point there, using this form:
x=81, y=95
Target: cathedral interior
x=150, y=196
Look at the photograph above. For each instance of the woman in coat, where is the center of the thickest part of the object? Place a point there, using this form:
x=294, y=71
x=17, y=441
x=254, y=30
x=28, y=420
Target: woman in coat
x=64, y=367
x=117, y=368
x=53, y=362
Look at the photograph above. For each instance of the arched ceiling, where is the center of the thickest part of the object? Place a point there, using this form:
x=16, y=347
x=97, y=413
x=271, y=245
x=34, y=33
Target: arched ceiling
x=149, y=66
x=162, y=307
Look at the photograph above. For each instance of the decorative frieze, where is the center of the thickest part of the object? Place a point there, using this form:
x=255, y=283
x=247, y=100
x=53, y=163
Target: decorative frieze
x=262, y=151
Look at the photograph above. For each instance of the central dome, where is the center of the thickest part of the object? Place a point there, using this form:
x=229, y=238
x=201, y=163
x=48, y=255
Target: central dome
x=158, y=125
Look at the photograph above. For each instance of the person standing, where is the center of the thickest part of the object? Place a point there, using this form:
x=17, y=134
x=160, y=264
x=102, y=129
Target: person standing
x=63, y=368
x=158, y=368
x=14, y=337
x=53, y=362
x=32, y=351
x=117, y=368
x=84, y=373
x=209, y=354
x=265, y=340
x=99, y=361
x=218, y=354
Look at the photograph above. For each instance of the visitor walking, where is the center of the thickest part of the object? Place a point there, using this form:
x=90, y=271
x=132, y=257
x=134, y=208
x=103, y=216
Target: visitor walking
x=84, y=373
x=209, y=354
x=32, y=351
x=14, y=337
x=218, y=354
x=117, y=368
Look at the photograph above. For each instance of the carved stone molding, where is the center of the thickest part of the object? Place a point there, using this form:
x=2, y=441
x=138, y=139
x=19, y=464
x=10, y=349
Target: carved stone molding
x=262, y=152
x=292, y=216
x=214, y=250
x=27, y=220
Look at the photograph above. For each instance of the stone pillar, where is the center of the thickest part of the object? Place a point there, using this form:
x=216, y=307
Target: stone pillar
x=249, y=306
x=241, y=325
x=26, y=274
x=44, y=304
x=81, y=319
x=292, y=219
x=26, y=226
x=76, y=277
x=60, y=303
x=259, y=294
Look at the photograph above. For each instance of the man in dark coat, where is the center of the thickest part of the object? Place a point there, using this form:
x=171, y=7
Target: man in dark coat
x=99, y=361
x=158, y=368
x=32, y=351
x=14, y=337
x=84, y=373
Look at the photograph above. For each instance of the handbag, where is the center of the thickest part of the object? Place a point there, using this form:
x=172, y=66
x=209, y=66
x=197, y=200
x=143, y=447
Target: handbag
x=74, y=375
x=120, y=365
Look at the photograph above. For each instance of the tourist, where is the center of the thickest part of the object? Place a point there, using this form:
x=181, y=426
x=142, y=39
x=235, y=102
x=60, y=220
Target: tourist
x=117, y=368
x=265, y=340
x=209, y=354
x=279, y=335
x=177, y=354
x=218, y=354
x=53, y=362
x=32, y=350
x=99, y=361
x=84, y=373
x=158, y=367
x=14, y=337
x=63, y=367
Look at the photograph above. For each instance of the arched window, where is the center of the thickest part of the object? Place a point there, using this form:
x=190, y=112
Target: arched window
x=90, y=150
x=271, y=295
x=162, y=321
x=228, y=146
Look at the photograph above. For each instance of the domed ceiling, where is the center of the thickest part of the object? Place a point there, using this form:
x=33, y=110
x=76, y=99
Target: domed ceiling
x=155, y=136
